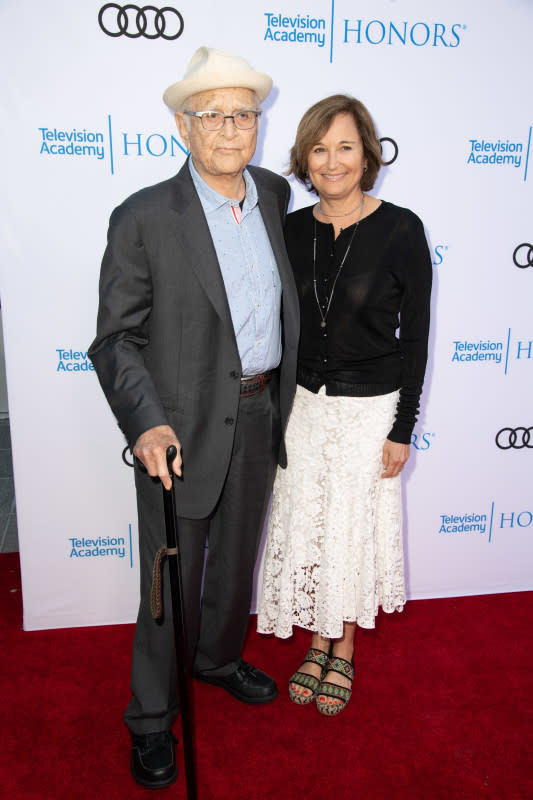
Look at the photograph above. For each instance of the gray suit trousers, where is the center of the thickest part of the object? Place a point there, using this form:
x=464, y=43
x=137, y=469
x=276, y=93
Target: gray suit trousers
x=216, y=618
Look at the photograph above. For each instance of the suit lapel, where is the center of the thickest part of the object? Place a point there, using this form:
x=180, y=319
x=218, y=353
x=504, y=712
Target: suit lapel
x=269, y=207
x=192, y=232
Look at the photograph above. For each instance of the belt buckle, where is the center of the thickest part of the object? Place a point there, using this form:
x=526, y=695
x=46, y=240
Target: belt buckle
x=258, y=382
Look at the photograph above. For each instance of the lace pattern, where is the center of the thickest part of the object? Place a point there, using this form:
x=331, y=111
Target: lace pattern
x=334, y=549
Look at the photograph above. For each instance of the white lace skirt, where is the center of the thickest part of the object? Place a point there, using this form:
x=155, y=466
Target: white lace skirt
x=334, y=550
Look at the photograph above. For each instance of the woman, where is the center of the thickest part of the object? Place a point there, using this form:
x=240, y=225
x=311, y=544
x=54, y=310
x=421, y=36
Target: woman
x=363, y=270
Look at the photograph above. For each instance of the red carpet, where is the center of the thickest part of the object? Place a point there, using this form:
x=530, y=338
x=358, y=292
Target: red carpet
x=442, y=709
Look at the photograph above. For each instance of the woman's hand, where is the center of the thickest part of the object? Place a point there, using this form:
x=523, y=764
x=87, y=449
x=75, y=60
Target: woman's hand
x=394, y=457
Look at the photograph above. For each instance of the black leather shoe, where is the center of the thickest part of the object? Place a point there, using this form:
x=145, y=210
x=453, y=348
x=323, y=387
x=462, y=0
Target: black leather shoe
x=153, y=759
x=247, y=684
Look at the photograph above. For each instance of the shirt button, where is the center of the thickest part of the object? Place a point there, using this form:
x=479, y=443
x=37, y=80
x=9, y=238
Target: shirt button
x=234, y=374
x=229, y=421
x=325, y=361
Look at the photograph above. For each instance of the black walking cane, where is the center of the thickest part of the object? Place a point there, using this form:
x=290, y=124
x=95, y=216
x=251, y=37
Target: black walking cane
x=180, y=640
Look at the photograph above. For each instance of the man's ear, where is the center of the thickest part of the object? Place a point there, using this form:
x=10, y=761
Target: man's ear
x=183, y=127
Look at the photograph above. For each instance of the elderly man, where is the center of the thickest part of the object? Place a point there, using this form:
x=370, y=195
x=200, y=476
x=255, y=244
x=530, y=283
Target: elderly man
x=196, y=346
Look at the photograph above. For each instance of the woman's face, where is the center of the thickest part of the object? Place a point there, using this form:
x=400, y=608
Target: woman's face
x=335, y=163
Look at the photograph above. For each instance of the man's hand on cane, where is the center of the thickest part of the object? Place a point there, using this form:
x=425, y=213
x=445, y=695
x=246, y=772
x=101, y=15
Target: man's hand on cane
x=151, y=448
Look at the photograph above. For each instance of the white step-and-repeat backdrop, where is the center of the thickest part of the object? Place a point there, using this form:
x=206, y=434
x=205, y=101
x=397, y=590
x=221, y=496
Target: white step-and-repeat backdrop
x=84, y=125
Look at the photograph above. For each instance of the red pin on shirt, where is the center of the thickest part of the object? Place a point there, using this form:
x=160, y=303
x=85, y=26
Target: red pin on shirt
x=237, y=214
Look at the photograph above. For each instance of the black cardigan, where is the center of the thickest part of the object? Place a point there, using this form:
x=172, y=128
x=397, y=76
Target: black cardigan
x=385, y=284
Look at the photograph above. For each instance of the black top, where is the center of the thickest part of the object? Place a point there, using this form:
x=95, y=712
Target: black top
x=385, y=284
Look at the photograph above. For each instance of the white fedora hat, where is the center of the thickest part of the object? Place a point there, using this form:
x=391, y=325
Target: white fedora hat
x=215, y=69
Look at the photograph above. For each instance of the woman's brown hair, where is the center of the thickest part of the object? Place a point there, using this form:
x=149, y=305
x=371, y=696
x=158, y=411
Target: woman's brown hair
x=314, y=124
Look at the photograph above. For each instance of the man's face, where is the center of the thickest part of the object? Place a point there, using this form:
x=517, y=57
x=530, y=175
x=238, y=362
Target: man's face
x=223, y=152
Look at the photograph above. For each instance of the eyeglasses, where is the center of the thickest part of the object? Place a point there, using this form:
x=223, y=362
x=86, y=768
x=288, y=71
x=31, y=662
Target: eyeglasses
x=214, y=120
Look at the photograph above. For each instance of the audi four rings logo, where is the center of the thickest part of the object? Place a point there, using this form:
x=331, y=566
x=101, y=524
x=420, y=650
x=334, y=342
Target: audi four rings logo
x=523, y=255
x=515, y=438
x=391, y=156
x=133, y=21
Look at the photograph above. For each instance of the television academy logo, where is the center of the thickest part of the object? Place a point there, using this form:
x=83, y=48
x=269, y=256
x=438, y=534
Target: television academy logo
x=119, y=547
x=100, y=547
x=73, y=361
x=493, y=520
x=389, y=151
x=523, y=255
x=514, y=438
x=301, y=28
x=507, y=351
x=297, y=29
x=482, y=350
x=463, y=523
x=106, y=146
x=498, y=152
x=502, y=153
x=133, y=21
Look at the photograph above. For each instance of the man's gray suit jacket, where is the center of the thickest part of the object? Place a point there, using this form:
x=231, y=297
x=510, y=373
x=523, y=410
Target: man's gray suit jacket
x=165, y=351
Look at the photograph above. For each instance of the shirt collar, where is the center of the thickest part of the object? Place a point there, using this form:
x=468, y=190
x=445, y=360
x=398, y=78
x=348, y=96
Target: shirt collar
x=212, y=200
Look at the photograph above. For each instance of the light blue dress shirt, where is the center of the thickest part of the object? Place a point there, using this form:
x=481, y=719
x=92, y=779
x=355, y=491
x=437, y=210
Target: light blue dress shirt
x=249, y=271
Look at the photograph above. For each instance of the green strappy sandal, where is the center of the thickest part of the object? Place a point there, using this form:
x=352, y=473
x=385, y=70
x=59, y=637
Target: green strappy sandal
x=332, y=691
x=314, y=656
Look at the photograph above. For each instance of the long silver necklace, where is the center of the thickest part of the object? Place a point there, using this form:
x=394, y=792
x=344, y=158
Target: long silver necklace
x=339, y=269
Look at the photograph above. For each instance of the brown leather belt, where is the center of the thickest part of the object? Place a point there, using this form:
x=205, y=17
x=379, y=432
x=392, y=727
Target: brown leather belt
x=254, y=384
